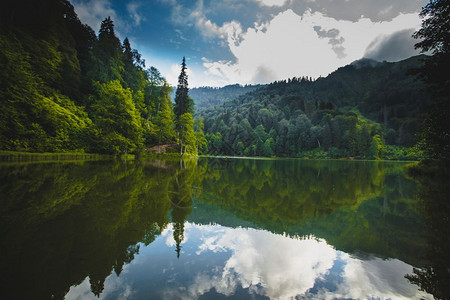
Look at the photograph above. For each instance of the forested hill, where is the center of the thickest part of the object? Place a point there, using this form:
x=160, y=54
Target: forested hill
x=65, y=88
x=211, y=96
x=355, y=111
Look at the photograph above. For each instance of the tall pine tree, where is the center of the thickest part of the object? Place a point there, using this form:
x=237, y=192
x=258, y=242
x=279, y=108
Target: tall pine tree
x=183, y=103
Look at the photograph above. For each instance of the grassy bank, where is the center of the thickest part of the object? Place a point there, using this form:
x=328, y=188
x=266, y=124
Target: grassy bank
x=30, y=156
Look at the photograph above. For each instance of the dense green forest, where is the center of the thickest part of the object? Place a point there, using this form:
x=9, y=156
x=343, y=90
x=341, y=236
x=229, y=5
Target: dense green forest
x=367, y=109
x=64, y=88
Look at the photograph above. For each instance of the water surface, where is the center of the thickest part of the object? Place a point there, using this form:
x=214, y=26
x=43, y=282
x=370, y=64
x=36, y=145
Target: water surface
x=211, y=229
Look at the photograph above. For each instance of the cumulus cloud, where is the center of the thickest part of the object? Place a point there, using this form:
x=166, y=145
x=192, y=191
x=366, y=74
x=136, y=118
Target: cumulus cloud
x=289, y=45
x=394, y=47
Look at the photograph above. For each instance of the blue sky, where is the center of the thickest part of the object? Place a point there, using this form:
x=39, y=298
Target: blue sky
x=258, y=41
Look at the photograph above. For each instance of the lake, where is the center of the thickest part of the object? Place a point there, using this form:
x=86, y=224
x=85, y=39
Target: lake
x=213, y=228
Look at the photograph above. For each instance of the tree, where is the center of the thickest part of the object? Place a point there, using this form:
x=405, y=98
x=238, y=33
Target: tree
x=117, y=120
x=377, y=148
x=435, y=35
x=201, y=142
x=187, y=135
x=106, y=59
x=165, y=128
x=133, y=74
x=183, y=103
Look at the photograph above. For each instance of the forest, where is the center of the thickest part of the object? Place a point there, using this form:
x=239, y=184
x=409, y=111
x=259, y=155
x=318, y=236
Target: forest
x=66, y=88
x=367, y=109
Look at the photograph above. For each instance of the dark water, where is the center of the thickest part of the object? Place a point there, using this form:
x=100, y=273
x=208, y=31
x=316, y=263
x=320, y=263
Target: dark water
x=216, y=229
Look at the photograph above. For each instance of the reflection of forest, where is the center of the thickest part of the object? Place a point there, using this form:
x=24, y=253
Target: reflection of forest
x=62, y=222
x=358, y=207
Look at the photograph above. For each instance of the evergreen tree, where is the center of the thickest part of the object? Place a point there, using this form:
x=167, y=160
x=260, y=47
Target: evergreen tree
x=183, y=103
x=107, y=62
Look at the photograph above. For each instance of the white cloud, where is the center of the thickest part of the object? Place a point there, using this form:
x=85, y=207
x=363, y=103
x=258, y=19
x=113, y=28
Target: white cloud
x=271, y=2
x=93, y=12
x=288, y=46
x=183, y=16
x=132, y=9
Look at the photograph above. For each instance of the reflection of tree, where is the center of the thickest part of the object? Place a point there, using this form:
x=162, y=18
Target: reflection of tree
x=434, y=278
x=181, y=199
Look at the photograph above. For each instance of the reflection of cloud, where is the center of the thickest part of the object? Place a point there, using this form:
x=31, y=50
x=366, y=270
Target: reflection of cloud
x=113, y=286
x=264, y=263
x=267, y=264
x=280, y=267
x=377, y=278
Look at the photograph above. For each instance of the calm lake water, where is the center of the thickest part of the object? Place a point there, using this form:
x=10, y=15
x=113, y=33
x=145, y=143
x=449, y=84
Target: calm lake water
x=213, y=229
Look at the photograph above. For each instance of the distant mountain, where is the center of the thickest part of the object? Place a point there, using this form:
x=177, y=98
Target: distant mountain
x=210, y=96
x=364, y=63
x=343, y=111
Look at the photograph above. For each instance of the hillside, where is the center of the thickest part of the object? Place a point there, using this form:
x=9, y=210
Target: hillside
x=354, y=111
x=65, y=88
x=210, y=96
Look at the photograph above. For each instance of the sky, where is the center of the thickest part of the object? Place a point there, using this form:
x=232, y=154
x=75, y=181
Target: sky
x=258, y=41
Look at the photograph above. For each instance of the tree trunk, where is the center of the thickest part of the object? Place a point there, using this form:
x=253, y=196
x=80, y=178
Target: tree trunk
x=181, y=147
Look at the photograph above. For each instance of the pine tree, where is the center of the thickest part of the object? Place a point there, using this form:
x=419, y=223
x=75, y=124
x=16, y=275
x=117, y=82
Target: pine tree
x=183, y=103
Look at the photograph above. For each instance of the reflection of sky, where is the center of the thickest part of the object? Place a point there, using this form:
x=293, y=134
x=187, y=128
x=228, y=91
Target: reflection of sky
x=216, y=259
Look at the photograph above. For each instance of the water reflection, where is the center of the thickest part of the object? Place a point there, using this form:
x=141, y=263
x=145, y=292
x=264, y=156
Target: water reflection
x=259, y=263
x=434, y=277
x=200, y=228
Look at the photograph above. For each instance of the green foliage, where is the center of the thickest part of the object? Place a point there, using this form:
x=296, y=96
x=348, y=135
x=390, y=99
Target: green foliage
x=117, y=120
x=64, y=88
x=187, y=138
x=200, y=138
x=377, y=147
x=164, y=119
